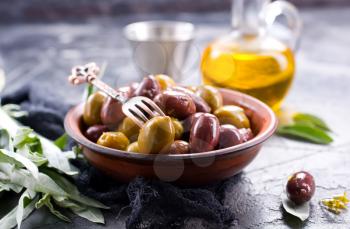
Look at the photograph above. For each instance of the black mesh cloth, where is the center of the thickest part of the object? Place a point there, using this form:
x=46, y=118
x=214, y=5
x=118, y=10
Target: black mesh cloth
x=152, y=203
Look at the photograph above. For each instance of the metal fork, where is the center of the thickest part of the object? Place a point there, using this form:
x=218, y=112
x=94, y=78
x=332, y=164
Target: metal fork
x=140, y=109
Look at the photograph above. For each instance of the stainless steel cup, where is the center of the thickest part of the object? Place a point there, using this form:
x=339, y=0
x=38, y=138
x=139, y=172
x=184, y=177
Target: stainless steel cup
x=160, y=47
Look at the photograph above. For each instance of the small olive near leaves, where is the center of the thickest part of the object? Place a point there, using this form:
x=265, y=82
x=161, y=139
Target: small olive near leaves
x=299, y=191
x=300, y=187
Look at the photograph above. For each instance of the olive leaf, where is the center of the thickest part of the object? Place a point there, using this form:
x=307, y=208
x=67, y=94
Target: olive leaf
x=72, y=190
x=14, y=110
x=311, y=119
x=44, y=184
x=56, y=158
x=4, y=186
x=301, y=211
x=10, y=220
x=18, y=160
x=90, y=213
x=62, y=141
x=26, y=137
x=46, y=201
x=23, y=201
x=5, y=140
x=305, y=132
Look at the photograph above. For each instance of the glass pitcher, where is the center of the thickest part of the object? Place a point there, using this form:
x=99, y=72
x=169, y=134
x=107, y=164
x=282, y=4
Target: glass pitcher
x=250, y=59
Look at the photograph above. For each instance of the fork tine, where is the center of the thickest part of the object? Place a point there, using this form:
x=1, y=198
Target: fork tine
x=139, y=113
x=146, y=109
x=133, y=117
x=150, y=103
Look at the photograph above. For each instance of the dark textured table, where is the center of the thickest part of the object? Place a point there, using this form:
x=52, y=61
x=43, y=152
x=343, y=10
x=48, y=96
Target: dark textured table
x=46, y=52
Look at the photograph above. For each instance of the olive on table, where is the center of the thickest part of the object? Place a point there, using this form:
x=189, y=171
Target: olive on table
x=205, y=133
x=129, y=128
x=133, y=147
x=211, y=95
x=164, y=81
x=94, y=132
x=114, y=140
x=149, y=87
x=175, y=104
x=201, y=105
x=92, y=108
x=300, y=187
x=178, y=128
x=233, y=115
x=156, y=135
x=229, y=136
x=112, y=113
x=179, y=147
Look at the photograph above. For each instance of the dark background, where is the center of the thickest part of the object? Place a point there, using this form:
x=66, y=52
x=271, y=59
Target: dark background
x=52, y=10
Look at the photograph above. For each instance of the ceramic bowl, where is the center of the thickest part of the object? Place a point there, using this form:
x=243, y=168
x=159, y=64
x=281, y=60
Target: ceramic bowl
x=190, y=169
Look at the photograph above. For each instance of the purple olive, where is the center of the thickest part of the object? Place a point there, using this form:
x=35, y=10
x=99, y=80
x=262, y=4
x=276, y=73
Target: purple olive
x=175, y=104
x=300, y=187
x=205, y=133
x=201, y=105
x=111, y=111
x=149, y=87
x=93, y=133
x=229, y=136
x=187, y=123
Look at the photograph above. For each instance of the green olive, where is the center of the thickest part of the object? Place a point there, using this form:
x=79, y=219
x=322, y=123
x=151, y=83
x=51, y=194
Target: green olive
x=211, y=95
x=156, y=135
x=133, y=147
x=164, y=81
x=115, y=140
x=233, y=115
x=178, y=128
x=129, y=128
x=92, y=108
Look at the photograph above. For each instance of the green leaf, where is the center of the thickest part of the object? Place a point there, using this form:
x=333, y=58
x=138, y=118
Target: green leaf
x=46, y=201
x=90, y=213
x=18, y=160
x=25, y=137
x=56, y=158
x=44, y=184
x=72, y=190
x=301, y=211
x=312, y=119
x=9, y=220
x=8, y=123
x=14, y=110
x=62, y=141
x=306, y=133
x=23, y=202
x=37, y=158
x=4, y=186
x=5, y=140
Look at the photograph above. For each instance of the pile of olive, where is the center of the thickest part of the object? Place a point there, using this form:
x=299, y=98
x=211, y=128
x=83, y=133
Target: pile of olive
x=196, y=121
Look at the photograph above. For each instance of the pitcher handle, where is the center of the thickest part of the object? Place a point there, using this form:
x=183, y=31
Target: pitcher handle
x=272, y=10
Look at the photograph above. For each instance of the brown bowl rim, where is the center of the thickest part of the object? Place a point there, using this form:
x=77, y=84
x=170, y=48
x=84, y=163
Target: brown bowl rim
x=238, y=149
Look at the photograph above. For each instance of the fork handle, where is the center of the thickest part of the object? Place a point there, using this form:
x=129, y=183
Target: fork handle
x=107, y=89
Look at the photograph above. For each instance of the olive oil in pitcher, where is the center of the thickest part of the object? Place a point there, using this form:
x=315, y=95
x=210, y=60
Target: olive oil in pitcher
x=248, y=59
